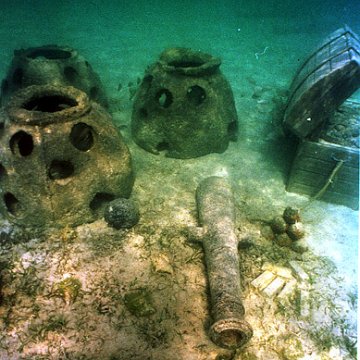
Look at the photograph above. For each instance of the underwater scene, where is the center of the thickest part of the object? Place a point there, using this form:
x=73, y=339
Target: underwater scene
x=179, y=180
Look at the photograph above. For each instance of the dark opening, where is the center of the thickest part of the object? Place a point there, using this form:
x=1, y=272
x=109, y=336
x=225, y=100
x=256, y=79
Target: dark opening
x=143, y=112
x=232, y=130
x=60, y=169
x=162, y=146
x=87, y=64
x=232, y=339
x=4, y=86
x=164, y=98
x=196, y=95
x=12, y=203
x=49, y=103
x=100, y=200
x=70, y=73
x=51, y=54
x=2, y=171
x=21, y=143
x=82, y=137
x=147, y=81
x=186, y=63
x=18, y=76
x=94, y=92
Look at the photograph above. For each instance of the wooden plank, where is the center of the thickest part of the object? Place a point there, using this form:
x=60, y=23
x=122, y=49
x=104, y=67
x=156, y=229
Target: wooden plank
x=327, y=152
x=328, y=196
x=317, y=181
x=314, y=164
x=333, y=44
x=324, y=54
x=331, y=197
x=311, y=107
x=326, y=79
x=319, y=168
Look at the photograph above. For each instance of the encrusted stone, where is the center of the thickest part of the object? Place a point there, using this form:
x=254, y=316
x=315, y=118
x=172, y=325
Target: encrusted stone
x=283, y=240
x=291, y=215
x=184, y=106
x=296, y=231
x=51, y=65
x=62, y=160
x=278, y=225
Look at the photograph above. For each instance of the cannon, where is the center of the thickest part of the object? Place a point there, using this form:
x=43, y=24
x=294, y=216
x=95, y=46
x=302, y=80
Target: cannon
x=216, y=214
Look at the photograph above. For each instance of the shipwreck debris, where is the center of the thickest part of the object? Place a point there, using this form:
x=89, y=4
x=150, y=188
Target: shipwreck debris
x=217, y=217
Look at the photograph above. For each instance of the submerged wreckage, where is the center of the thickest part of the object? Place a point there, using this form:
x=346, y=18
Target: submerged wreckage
x=217, y=217
x=64, y=163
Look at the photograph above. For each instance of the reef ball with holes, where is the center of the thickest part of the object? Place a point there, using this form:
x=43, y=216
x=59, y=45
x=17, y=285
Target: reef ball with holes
x=184, y=106
x=62, y=160
x=51, y=65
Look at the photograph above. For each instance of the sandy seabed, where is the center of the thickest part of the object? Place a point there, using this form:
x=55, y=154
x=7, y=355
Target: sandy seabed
x=65, y=293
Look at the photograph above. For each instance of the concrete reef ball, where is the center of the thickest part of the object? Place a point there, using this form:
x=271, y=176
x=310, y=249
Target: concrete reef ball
x=61, y=160
x=51, y=65
x=184, y=106
x=122, y=213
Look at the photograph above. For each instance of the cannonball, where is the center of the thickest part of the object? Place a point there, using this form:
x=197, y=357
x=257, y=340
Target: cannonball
x=278, y=225
x=291, y=215
x=283, y=240
x=267, y=232
x=299, y=246
x=296, y=231
x=121, y=213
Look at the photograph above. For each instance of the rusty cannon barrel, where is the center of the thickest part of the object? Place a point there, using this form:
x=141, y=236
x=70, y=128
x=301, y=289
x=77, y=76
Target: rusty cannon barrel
x=216, y=213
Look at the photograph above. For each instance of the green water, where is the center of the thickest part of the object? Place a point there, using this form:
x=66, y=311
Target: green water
x=261, y=44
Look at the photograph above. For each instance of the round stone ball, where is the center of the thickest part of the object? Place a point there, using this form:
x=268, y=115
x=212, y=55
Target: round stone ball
x=283, y=240
x=278, y=225
x=299, y=246
x=291, y=215
x=296, y=231
x=122, y=213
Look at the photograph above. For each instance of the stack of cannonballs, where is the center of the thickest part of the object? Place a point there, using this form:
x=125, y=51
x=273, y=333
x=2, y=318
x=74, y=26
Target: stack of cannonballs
x=288, y=230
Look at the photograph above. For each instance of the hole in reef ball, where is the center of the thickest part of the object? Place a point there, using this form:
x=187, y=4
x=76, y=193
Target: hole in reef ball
x=21, y=143
x=60, y=169
x=232, y=130
x=4, y=86
x=18, y=76
x=196, y=95
x=189, y=63
x=49, y=103
x=162, y=146
x=143, y=113
x=100, y=200
x=2, y=171
x=164, y=98
x=12, y=203
x=50, y=54
x=94, y=92
x=82, y=137
x=121, y=213
x=70, y=74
